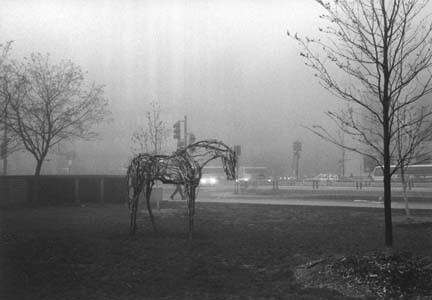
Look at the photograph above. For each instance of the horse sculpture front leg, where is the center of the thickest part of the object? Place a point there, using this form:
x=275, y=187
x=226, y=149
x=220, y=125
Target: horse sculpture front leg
x=148, y=191
x=133, y=208
x=191, y=193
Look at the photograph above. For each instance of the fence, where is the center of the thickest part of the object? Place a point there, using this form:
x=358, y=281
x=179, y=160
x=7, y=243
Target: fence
x=53, y=189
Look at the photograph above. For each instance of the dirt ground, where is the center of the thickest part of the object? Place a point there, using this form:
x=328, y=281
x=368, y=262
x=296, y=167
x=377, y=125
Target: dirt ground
x=239, y=251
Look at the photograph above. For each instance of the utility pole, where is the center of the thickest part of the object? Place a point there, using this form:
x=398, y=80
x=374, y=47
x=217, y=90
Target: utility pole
x=343, y=153
x=237, y=150
x=342, y=163
x=185, y=131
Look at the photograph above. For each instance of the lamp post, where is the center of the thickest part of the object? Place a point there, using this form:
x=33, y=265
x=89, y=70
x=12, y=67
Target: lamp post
x=237, y=150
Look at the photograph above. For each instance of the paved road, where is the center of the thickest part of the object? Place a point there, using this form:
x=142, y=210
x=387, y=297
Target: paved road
x=331, y=196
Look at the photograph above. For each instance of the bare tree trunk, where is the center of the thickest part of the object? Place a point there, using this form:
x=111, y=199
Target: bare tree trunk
x=5, y=145
x=387, y=175
x=387, y=211
x=36, y=184
x=5, y=150
x=38, y=169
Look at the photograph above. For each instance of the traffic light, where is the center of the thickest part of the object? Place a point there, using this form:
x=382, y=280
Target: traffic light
x=192, y=138
x=297, y=147
x=177, y=130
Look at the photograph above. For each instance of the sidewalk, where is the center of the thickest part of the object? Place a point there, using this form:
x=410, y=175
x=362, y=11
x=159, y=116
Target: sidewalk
x=354, y=203
x=423, y=195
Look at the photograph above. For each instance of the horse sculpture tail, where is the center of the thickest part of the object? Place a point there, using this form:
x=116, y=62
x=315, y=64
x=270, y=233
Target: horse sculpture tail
x=129, y=184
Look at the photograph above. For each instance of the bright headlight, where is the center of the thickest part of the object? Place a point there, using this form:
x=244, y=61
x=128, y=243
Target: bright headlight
x=208, y=180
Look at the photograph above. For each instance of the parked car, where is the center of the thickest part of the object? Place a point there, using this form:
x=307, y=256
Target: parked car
x=326, y=177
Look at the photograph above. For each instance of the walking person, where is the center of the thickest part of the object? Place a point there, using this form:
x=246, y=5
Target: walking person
x=178, y=190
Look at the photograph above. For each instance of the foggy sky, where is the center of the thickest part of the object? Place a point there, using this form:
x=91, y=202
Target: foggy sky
x=227, y=65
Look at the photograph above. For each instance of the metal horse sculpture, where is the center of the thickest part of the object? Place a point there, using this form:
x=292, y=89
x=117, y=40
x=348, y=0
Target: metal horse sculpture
x=182, y=167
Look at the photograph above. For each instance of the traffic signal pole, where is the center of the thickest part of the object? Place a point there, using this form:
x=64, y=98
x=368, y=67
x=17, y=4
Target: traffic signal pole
x=297, y=148
x=185, y=131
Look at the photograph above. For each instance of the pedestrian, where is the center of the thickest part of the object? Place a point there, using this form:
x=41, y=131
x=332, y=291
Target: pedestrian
x=178, y=190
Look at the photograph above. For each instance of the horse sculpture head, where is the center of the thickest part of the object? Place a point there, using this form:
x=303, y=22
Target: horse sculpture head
x=229, y=162
x=207, y=150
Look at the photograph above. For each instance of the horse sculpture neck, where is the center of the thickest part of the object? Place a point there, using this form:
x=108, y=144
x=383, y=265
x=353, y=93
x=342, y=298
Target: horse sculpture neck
x=205, y=151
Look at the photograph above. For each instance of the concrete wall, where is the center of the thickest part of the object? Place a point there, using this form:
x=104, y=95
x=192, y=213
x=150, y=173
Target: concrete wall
x=52, y=189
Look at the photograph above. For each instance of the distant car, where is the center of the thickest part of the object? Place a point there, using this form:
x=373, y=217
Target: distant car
x=243, y=182
x=333, y=177
x=243, y=179
x=326, y=177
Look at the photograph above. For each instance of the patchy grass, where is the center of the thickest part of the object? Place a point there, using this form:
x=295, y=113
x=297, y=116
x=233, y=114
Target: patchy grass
x=379, y=274
x=239, y=251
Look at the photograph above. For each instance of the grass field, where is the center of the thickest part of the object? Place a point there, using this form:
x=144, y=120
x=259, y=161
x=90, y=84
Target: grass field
x=239, y=251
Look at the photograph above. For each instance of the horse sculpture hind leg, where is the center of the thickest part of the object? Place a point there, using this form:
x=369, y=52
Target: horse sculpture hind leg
x=191, y=194
x=133, y=208
x=148, y=191
x=133, y=205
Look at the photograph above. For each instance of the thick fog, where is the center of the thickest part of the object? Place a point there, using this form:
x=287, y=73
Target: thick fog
x=228, y=65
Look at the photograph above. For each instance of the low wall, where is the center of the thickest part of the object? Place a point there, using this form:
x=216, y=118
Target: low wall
x=13, y=190
x=53, y=189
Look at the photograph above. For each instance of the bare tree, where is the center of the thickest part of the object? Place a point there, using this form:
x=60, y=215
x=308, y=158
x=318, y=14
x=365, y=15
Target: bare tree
x=376, y=56
x=55, y=104
x=152, y=137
